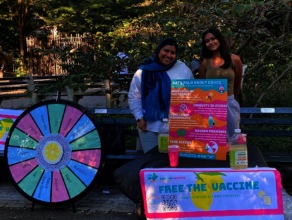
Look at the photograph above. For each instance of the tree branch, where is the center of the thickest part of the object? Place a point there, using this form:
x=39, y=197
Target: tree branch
x=256, y=64
x=265, y=92
x=244, y=45
x=256, y=23
x=259, y=60
x=275, y=17
x=241, y=32
x=286, y=20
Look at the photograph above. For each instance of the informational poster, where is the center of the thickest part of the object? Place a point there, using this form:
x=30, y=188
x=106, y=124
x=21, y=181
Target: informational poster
x=198, y=118
x=7, y=117
x=214, y=193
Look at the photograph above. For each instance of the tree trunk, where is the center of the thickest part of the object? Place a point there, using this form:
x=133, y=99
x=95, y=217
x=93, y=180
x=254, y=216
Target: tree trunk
x=22, y=58
x=22, y=12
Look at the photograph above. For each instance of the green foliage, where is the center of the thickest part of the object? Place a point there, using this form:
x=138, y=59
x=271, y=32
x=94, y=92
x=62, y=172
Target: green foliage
x=269, y=49
x=20, y=19
x=259, y=31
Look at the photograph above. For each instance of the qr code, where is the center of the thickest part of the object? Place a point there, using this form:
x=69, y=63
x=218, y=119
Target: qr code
x=169, y=202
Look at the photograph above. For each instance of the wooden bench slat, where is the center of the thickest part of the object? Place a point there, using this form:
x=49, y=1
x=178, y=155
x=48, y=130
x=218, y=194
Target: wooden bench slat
x=119, y=121
x=284, y=157
x=121, y=111
x=88, y=94
x=267, y=133
x=265, y=121
x=121, y=157
x=129, y=155
x=13, y=87
x=273, y=154
x=132, y=132
x=278, y=158
x=110, y=111
x=252, y=110
x=13, y=95
x=275, y=157
x=12, y=83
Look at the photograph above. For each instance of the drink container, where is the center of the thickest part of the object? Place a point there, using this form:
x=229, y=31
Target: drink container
x=173, y=153
x=163, y=136
x=238, y=151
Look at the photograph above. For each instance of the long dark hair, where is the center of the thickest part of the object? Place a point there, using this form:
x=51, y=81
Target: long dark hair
x=223, y=48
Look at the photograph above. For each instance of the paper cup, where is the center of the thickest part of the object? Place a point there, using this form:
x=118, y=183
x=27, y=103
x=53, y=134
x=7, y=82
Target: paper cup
x=173, y=153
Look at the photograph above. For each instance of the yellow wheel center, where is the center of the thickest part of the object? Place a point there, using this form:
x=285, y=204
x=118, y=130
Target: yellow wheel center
x=52, y=152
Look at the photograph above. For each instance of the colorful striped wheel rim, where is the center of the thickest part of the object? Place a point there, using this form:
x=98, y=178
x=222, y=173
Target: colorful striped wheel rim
x=53, y=152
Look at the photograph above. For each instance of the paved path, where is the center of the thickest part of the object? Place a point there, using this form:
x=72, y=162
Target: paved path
x=100, y=198
x=53, y=214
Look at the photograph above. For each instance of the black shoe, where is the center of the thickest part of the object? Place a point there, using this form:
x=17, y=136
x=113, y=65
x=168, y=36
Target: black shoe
x=140, y=211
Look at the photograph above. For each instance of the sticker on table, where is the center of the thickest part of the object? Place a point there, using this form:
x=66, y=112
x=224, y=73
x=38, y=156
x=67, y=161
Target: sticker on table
x=43, y=190
x=40, y=116
x=71, y=116
x=59, y=191
x=29, y=183
x=16, y=154
x=89, y=157
x=84, y=172
x=28, y=126
x=20, y=170
x=20, y=139
x=83, y=126
x=88, y=141
x=56, y=112
x=73, y=184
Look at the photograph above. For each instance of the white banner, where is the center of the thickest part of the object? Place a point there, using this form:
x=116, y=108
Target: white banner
x=254, y=193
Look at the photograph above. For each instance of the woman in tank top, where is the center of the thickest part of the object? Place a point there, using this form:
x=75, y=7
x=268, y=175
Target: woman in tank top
x=217, y=63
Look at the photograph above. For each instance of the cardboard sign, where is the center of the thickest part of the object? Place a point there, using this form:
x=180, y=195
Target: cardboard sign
x=7, y=117
x=217, y=193
x=198, y=118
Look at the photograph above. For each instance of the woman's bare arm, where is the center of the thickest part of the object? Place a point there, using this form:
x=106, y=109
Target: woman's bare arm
x=237, y=65
x=202, y=70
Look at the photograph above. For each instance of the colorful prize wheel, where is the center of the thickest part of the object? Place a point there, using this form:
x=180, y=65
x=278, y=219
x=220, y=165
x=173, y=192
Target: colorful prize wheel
x=53, y=152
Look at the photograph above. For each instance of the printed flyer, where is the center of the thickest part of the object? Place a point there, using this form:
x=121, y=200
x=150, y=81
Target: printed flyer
x=213, y=193
x=198, y=118
x=7, y=117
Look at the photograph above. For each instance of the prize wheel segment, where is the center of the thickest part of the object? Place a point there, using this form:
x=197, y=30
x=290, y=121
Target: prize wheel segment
x=53, y=152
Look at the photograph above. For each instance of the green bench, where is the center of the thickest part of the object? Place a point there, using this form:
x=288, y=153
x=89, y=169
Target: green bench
x=269, y=121
x=269, y=156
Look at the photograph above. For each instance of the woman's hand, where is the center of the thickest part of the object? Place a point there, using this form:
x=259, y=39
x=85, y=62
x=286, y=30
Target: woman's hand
x=142, y=124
